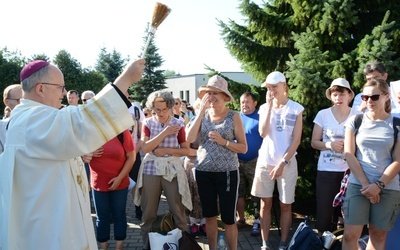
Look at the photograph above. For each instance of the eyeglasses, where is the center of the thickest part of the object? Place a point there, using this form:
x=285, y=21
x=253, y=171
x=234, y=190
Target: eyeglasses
x=60, y=86
x=372, y=97
x=15, y=99
x=158, y=111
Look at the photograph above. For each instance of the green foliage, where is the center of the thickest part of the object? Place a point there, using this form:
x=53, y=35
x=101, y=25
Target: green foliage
x=314, y=42
x=110, y=64
x=71, y=69
x=153, y=79
x=77, y=78
x=92, y=80
x=11, y=64
x=377, y=45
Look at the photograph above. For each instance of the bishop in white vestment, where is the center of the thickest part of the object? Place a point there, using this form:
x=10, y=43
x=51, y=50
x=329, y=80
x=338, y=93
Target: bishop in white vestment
x=44, y=200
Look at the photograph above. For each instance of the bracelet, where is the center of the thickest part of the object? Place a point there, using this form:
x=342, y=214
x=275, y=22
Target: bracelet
x=227, y=143
x=380, y=184
x=285, y=161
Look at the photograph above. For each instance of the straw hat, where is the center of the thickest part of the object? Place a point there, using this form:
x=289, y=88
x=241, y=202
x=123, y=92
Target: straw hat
x=217, y=84
x=342, y=83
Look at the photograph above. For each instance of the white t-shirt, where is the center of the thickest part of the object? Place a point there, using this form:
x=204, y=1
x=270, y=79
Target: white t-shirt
x=280, y=135
x=332, y=130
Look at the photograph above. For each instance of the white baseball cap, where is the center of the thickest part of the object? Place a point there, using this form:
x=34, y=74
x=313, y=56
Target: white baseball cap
x=274, y=78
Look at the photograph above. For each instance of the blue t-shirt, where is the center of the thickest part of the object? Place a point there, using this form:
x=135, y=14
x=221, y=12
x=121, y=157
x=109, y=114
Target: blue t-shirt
x=253, y=138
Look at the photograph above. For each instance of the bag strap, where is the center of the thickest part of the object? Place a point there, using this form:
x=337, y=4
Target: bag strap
x=357, y=122
x=396, y=126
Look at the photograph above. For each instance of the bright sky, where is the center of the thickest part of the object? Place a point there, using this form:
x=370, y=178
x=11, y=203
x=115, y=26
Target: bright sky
x=187, y=39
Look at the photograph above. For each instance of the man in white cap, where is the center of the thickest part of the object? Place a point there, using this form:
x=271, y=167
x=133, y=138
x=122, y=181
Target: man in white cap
x=44, y=200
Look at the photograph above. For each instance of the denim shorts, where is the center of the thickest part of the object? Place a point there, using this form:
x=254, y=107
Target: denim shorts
x=358, y=210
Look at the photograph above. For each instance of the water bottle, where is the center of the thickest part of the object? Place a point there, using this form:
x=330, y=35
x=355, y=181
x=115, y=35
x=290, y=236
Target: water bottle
x=221, y=243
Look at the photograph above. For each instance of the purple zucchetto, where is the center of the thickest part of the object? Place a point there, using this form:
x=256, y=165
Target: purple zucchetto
x=31, y=68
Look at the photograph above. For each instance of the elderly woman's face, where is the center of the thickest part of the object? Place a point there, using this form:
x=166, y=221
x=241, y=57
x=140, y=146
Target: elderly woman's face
x=161, y=109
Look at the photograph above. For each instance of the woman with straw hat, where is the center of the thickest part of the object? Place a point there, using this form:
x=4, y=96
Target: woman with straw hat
x=328, y=137
x=221, y=137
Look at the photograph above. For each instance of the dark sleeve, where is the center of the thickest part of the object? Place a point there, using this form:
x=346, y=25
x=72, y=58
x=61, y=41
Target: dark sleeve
x=123, y=97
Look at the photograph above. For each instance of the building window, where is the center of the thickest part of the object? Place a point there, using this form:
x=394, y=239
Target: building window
x=187, y=96
x=181, y=94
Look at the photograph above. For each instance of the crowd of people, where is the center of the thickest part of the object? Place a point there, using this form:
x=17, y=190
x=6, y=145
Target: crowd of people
x=206, y=159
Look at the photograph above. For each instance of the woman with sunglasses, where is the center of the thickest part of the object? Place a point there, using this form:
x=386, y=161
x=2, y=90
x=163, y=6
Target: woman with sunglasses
x=373, y=191
x=176, y=110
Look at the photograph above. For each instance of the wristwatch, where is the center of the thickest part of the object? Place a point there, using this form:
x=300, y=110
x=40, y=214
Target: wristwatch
x=285, y=161
x=380, y=184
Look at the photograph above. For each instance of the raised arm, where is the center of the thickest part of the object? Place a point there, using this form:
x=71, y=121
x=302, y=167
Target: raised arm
x=265, y=117
x=194, y=129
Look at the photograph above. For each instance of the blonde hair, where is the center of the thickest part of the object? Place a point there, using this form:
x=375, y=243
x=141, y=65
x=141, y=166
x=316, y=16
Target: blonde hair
x=6, y=92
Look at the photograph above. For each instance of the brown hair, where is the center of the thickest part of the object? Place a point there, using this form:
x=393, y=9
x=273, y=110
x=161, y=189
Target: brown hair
x=382, y=86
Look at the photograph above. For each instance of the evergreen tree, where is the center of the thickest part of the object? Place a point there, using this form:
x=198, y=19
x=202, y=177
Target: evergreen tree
x=313, y=42
x=153, y=79
x=110, y=64
x=76, y=77
x=92, y=80
x=11, y=64
x=71, y=68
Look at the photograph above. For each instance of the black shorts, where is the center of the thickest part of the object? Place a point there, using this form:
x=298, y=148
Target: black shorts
x=218, y=185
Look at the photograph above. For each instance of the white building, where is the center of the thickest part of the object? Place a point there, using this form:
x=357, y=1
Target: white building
x=185, y=87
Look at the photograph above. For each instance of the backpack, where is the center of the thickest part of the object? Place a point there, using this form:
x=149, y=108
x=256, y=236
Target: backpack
x=305, y=238
x=164, y=223
x=338, y=200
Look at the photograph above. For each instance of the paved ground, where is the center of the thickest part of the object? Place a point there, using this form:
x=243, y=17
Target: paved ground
x=134, y=240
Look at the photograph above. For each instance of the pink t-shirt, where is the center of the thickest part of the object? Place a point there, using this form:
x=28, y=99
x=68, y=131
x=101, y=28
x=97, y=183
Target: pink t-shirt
x=110, y=163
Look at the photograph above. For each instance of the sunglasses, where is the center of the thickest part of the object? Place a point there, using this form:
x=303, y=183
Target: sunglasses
x=372, y=97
